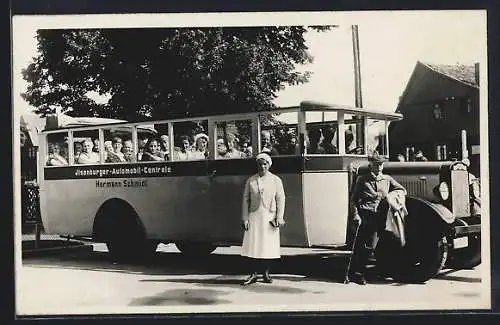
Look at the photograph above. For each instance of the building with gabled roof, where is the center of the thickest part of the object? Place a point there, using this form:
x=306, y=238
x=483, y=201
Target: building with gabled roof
x=439, y=101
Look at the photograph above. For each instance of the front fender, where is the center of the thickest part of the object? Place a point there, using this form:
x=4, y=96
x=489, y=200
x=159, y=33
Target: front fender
x=438, y=210
x=427, y=218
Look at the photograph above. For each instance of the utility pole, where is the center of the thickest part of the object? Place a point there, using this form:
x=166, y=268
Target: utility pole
x=357, y=66
x=360, y=131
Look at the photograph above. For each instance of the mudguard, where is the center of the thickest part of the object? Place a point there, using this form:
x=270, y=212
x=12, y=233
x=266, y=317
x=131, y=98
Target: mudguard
x=440, y=210
x=424, y=217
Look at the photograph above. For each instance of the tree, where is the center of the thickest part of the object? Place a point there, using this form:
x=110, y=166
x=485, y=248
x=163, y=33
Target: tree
x=164, y=73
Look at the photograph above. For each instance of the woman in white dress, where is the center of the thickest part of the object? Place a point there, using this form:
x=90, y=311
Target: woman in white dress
x=262, y=215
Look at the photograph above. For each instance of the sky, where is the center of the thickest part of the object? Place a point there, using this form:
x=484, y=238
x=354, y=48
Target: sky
x=390, y=44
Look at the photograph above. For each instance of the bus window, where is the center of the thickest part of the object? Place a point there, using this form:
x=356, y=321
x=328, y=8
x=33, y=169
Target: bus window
x=118, y=145
x=279, y=134
x=376, y=137
x=85, y=150
x=190, y=140
x=321, y=133
x=354, y=135
x=57, y=149
x=234, y=139
x=163, y=140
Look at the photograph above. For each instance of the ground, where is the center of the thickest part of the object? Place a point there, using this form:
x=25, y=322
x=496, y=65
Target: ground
x=305, y=279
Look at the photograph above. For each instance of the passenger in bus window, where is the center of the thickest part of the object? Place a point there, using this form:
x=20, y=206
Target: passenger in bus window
x=96, y=145
x=232, y=151
x=246, y=147
x=152, y=151
x=266, y=142
x=141, y=148
x=113, y=151
x=184, y=152
x=221, y=148
x=55, y=159
x=315, y=142
x=128, y=151
x=165, y=146
x=117, y=147
x=108, y=147
x=87, y=156
x=262, y=215
x=351, y=146
x=200, y=149
x=77, y=149
x=327, y=143
x=292, y=146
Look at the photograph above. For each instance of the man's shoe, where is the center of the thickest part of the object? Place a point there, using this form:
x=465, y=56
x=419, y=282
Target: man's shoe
x=358, y=278
x=251, y=279
x=267, y=278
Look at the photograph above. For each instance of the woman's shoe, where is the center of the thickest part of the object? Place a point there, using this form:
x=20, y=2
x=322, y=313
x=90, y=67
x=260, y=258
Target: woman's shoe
x=251, y=279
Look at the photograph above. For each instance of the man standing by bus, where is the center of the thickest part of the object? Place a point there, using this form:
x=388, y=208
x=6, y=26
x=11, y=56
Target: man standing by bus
x=366, y=196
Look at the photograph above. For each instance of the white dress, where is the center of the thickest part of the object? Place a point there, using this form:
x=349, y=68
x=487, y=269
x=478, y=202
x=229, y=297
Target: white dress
x=262, y=240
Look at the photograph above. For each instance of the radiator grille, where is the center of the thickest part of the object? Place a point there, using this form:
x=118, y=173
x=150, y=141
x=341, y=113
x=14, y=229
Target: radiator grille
x=415, y=187
x=460, y=193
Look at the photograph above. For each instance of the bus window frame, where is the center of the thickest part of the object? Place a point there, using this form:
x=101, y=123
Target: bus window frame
x=45, y=151
x=291, y=111
x=212, y=130
x=171, y=139
x=254, y=117
x=102, y=140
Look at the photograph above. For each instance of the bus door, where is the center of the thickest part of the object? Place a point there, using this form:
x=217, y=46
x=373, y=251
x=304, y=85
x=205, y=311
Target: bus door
x=231, y=165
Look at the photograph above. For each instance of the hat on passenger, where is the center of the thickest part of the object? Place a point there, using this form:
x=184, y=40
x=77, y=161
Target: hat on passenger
x=264, y=156
x=200, y=135
x=376, y=158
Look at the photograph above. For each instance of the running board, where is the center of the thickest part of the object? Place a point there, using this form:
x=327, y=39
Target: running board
x=342, y=248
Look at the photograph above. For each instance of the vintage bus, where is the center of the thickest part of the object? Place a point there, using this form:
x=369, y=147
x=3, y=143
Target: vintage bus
x=190, y=194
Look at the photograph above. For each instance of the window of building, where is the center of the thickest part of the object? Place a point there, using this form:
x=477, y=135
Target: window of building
x=438, y=111
x=441, y=152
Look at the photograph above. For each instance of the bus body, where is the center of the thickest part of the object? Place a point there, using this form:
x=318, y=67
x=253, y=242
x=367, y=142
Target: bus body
x=197, y=203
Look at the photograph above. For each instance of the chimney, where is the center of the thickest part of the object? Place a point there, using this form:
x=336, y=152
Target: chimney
x=476, y=72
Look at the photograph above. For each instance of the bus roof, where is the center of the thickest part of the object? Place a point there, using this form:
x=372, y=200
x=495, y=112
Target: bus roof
x=305, y=106
x=312, y=106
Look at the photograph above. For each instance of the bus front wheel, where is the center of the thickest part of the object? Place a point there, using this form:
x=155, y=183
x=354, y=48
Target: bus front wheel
x=415, y=263
x=195, y=249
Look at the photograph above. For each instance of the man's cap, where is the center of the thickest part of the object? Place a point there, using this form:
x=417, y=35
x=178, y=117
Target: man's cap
x=375, y=157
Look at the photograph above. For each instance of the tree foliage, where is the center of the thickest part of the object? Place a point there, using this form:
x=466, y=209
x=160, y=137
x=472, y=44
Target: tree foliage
x=164, y=73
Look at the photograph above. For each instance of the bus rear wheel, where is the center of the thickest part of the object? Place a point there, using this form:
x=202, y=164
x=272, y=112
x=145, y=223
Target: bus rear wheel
x=195, y=249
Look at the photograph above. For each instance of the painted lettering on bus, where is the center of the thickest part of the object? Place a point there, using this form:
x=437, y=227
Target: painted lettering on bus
x=126, y=171
x=121, y=183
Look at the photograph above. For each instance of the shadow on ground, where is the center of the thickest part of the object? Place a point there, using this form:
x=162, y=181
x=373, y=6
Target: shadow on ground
x=315, y=266
x=182, y=297
x=322, y=267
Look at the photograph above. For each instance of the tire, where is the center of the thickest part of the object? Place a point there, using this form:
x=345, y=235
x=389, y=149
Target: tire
x=195, y=249
x=414, y=263
x=127, y=241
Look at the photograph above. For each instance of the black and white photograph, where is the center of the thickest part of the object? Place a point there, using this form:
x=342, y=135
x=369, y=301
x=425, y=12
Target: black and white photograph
x=251, y=162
